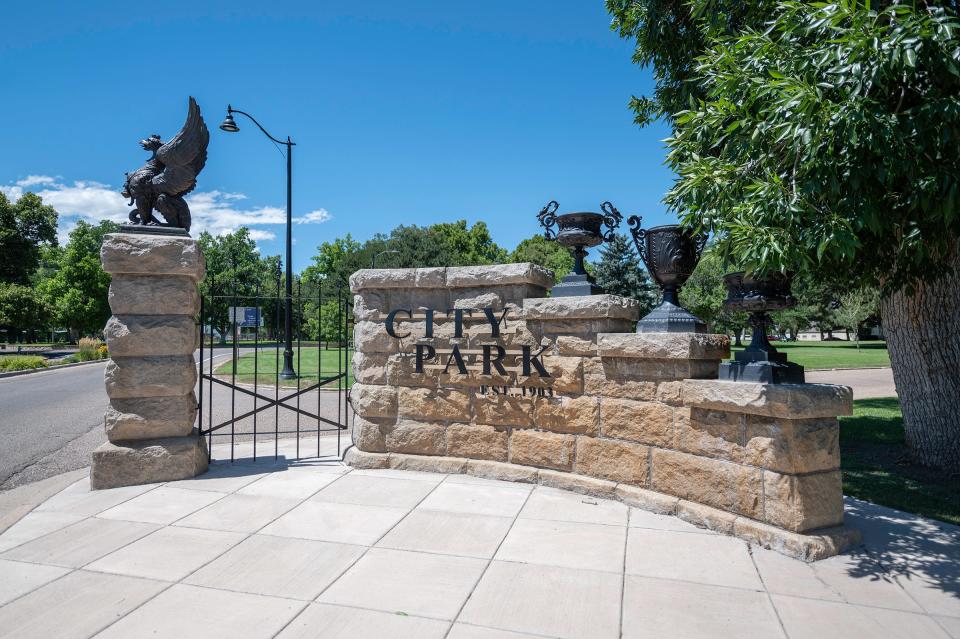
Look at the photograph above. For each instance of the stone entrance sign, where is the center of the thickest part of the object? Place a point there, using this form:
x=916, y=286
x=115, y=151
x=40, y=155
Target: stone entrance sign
x=474, y=370
x=151, y=374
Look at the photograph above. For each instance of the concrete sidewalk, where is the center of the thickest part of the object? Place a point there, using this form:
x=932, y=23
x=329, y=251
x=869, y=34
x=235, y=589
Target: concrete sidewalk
x=865, y=382
x=315, y=549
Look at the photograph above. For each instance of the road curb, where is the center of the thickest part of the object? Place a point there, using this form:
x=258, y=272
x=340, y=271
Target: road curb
x=21, y=500
x=51, y=368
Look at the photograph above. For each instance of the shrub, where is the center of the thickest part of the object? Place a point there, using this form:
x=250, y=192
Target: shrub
x=90, y=349
x=21, y=363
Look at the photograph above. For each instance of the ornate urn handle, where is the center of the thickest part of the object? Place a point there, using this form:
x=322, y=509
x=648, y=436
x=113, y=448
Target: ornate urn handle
x=639, y=238
x=548, y=219
x=611, y=219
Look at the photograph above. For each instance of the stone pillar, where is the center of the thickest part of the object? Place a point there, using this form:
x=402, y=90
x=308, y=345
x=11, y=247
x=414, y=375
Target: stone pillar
x=151, y=375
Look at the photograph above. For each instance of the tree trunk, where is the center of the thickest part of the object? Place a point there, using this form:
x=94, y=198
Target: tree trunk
x=737, y=333
x=923, y=339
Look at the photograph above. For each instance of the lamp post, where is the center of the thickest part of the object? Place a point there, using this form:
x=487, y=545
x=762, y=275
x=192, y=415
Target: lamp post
x=373, y=260
x=230, y=126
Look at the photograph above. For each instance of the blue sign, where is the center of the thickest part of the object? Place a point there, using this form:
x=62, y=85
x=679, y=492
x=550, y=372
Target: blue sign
x=251, y=316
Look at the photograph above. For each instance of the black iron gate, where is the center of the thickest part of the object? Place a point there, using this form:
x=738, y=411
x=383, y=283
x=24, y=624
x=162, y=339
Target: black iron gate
x=244, y=400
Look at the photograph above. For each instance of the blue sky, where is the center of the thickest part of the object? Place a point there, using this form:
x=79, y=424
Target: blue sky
x=408, y=112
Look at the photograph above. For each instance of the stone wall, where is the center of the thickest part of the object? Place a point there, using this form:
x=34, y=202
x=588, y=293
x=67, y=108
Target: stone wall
x=151, y=374
x=635, y=416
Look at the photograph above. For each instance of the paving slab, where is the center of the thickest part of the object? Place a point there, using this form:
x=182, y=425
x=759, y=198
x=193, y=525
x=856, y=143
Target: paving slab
x=565, y=543
x=478, y=499
x=239, y=513
x=814, y=619
x=375, y=491
x=341, y=622
x=446, y=533
x=561, y=505
x=163, y=505
x=344, y=523
x=35, y=524
x=20, y=578
x=80, y=543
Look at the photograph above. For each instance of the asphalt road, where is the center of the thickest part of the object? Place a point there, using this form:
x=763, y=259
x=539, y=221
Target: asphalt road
x=51, y=421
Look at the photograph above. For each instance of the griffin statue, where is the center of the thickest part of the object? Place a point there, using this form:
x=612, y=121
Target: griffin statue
x=169, y=174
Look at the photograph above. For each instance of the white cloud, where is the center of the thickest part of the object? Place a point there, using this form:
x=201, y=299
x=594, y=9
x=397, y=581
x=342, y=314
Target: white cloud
x=216, y=212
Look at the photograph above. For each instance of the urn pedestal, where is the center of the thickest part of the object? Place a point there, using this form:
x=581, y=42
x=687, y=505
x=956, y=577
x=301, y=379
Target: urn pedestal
x=579, y=231
x=151, y=375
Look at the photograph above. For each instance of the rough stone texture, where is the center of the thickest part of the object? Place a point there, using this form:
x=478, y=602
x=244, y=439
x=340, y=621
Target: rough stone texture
x=792, y=401
x=483, y=300
x=613, y=460
x=364, y=460
x=710, y=433
x=502, y=471
x=570, y=345
x=499, y=275
x=579, y=415
x=566, y=375
x=586, y=307
x=813, y=547
x=417, y=438
x=151, y=255
x=368, y=435
x=725, y=485
x=803, y=502
x=477, y=442
x=643, y=422
x=706, y=517
x=374, y=401
x=371, y=337
x=681, y=346
x=647, y=499
x=370, y=368
x=434, y=405
x=505, y=410
x=153, y=295
x=148, y=461
x=578, y=483
x=427, y=464
x=141, y=335
x=547, y=450
x=150, y=417
x=791, y=445
x=596, y=382
x=128, y=377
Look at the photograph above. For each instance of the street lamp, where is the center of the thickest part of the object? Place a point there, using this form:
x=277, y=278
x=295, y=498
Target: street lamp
x=230, y=126
x=373, y=260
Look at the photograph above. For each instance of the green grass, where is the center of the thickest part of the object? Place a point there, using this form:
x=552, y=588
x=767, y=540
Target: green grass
x=814, y=355
x=306, y=366
x=10, y=363
x=876, y=466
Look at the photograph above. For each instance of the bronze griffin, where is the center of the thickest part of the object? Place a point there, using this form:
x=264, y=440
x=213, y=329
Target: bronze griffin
x=169, y=174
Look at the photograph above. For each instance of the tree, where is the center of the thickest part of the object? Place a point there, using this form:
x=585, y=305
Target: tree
x=620, y=272
x=22, y=309
x=26, y=227
x=469, y=246
x=546, y=253
x=704, y=294
x=77, y=291
x=826, y=140
x=856, y=307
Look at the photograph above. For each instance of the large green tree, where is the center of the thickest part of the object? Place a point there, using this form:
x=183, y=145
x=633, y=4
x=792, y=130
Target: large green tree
x=26, y=227
x=546, y=253
x=823, y=137
x=704, y=293
x=619, y=272
x=22, y=311
x=77, y=290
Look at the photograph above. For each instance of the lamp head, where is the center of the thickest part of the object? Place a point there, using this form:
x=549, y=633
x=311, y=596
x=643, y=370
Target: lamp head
x=228, y=124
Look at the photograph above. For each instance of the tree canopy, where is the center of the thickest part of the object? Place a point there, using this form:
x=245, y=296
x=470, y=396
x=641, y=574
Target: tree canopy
x=26, y=227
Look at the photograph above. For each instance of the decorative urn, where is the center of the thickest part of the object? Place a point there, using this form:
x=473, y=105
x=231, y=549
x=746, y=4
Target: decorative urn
x=760, y=361
x=578, y=231
x=671, y=253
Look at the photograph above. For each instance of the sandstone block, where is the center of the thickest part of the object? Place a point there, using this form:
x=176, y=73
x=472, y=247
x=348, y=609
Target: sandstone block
x=374, y=401
x=482, y=300
x=712, y=482
x=670, y=393
x=499, y=275
x=546, y=450
x=144, y=335
x=586, y=306
x=792, y=445
x=425, y=464
x=361, y=459
x=170, y=376
x=578, y=483
x=792, y=401
x=643, y=422
x=814, y=547
x=501, y=471
x=416, y=438
x=664, y=345
x=371, y=337
x=647, y=499
x=566, y=374
x=621, y=369
x=148, y=461
x=370, y=306
x=370, y=368
x=368, y=435
x=505, y=410
x=578, y=346
x=132, y=253
x=568, y=414
x=613, y=460
x=596, y=382
x=710, y=433
x=803, y=502
x=402, y=372
x=435, y=405
x=150, y=417
x=706, y=517
x=477, y=442
x=153, y=295
x=382, y=278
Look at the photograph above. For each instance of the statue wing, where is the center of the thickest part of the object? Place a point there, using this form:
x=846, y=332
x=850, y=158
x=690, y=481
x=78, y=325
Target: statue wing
x=184, y=156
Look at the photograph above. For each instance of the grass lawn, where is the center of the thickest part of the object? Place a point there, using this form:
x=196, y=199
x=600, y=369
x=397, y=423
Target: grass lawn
x=876, y=467
x=306, y=366
x=814, y=355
